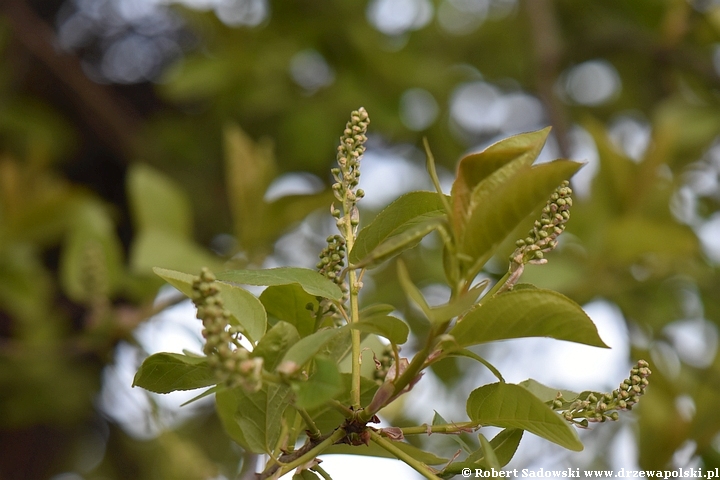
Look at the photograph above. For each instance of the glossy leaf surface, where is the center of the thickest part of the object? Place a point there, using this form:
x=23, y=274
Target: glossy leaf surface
x=310, y=280
x=512, y=406
x=526, y=313
x=401, y=224
x=169, y=372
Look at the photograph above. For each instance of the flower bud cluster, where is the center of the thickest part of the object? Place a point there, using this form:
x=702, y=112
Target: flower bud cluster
x=347, y=174
x=231, y=362
x=543, y=236
x=596, y=407
x=383, y=364
x=332, y=261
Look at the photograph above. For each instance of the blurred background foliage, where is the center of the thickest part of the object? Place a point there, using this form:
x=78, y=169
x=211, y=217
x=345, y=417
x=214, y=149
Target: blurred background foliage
x=137, y=133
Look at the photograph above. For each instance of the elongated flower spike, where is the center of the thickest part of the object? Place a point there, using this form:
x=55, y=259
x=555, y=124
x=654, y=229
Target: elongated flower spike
x=602, y=407
x=542, y=238
x=347, y=174
x=230, y=361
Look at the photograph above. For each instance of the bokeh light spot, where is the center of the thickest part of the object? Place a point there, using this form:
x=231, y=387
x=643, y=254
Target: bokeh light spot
x=592, y=83
x=395, y=17
x=310, y=70
x=418, y=109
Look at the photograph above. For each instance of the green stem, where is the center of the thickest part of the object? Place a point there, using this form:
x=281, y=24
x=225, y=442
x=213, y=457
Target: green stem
x=312, y=453
x=320, y=471
x=500, y=283
x=445, y=428
x=420, y=467
x=355, y=338
x=312, y=429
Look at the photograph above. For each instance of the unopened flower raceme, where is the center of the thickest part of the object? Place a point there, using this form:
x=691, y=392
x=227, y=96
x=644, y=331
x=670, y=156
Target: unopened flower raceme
x=231, y=362
x=542, y=238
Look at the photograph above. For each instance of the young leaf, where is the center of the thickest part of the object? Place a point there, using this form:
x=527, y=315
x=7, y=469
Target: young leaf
x=526, y=313
x=490, y=460
x=545, y=393
x=273, y=345
x=181, y=281
x=416, y=230
x=377, y=309
x=310, y=280
x=254, y=419
x=169, y=372
x=386, y=326
x=308, y=347
x=324, y=384
x=289, y=303
x=396, y=220
x=246, y=310
x=157, y=202
x=508, y=206
x=512, y=406
x=521, y=149
x=504, y=444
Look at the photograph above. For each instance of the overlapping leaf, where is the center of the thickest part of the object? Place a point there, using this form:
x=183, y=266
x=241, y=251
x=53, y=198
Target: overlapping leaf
x=512, y=406
x=508, y=205
x=401, y=225
x=169, y=372
x=527, y=312
x=520, y=150
x=246, y=309
x=254, y=419
x=310, y=280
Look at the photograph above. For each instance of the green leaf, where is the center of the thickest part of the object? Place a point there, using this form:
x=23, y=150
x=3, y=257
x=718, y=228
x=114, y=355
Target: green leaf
x=169, y=372
x=373, y=450
x=377, y=309
x=545, y=393
x=254, y=419
x=520, y=150
x=288, y=303
x=416, y=231
x=180, y=280
x=157, y=248
x=310, y=280
x=308, y=347
x=246, y=309
x=386, y=326
x=526, y=313
x=512, y=406
x=401, y=223
x=157, y=203
x=275, y=343
x=504, y=444
x=490, y=460
x=324, y=384
x=508, y=206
